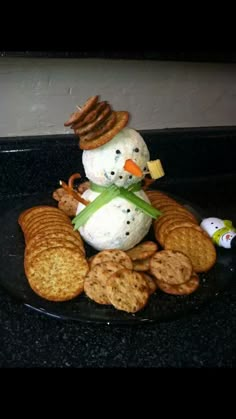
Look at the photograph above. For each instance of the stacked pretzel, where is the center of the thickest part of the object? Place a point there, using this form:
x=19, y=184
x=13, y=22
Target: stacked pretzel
x=96, y=123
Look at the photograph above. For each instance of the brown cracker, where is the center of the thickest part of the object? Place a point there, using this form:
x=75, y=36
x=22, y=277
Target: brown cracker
x=178, y=224
x=164, y=218
x=142, y=265
x=53, y=229
x=40, y=221
x=86, y=108
x=42, y=227
x=68, y=205
x=182, y=289
x=32, y=251
x=84, y=186
x=113, y=255
x=57, y=274
x=57, y=235
x=85, y=129
x=122, y=118
x=47, y=213
x=168, y=205
x=95, y=281
x=91, y=115
x=151, y=282
x=156, y=194
x=177, y=208
x=59, y=193
x=176, y=212
x=142, y=250
x=161, y=232
x=127, y=290
x=102, y=128
x=171, y=266
x=195, y=244
x=25, y=215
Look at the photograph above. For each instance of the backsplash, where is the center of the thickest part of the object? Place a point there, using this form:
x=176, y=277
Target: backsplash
x=38, y=95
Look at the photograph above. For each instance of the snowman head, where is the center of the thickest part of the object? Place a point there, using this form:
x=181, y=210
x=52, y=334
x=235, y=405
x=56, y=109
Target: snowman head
x=105, y=165
x=212, y=224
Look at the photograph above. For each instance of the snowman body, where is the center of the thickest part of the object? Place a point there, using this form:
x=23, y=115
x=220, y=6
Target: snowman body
x=118, y=224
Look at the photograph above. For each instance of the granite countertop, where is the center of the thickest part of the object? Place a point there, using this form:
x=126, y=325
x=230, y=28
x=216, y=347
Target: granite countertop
x=29, y=339
x=205, y=338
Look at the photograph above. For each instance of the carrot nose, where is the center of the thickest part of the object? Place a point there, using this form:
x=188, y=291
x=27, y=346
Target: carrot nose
x=131, y=167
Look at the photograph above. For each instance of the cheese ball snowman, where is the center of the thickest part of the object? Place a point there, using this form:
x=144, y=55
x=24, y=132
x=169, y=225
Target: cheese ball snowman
x=118, y=224
x=119, y=214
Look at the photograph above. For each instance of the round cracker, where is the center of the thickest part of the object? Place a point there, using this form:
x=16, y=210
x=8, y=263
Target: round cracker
x=113, y=255
x=176, y=207
x=151, y=282
x=182, y=289
x=142, y=265
x=127, y=290
x=176, y=211
x=156, y=194
x=142, y=250
x=31, y=252
x=43, y=227
x=171, y=217
x=68, y=204
x=73, y=237
x=59, y=193
x=95, y=281
x=86, y=108
x=102, y=128
x=41, y=217
x=163, y=218
x=91, y=115
x=195, y=244
x=172, y=267
x=162, y=231
x=27, y=214
x=37, y=221
x=53, y=229
x=122, y=118
x=85, y=129
x=177, y=224
x=158, y=202
x=158, y=199
x=57, y=274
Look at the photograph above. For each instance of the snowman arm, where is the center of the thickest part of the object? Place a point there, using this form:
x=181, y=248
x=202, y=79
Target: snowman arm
x=72, y=179
x=73, y=193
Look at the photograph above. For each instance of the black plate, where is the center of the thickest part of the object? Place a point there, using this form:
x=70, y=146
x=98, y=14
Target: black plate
x=161, y=306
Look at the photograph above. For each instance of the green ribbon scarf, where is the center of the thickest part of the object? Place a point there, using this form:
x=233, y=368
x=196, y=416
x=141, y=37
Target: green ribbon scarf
x=107, y=194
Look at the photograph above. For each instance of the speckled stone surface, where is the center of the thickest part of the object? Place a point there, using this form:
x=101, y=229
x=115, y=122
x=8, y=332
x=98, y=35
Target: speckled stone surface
x=206, y=338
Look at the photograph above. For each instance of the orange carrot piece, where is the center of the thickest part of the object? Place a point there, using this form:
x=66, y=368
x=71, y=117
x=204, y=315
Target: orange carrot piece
x=131, y=167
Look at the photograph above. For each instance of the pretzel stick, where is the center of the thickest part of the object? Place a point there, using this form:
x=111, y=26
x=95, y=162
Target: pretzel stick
x=72, y=179
x=73, y=193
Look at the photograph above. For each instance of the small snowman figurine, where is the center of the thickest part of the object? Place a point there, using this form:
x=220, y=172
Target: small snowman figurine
x=119, y=213
x=222, y=232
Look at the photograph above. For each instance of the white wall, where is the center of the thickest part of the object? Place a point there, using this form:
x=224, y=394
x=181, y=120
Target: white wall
x=38, y=95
